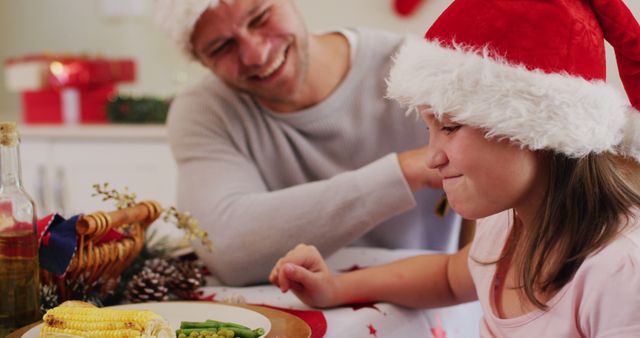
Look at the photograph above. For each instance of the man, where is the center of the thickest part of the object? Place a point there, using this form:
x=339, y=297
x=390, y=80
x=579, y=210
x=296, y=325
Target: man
x=291, y=140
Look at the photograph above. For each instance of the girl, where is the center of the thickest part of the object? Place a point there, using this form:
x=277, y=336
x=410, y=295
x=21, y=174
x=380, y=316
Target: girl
x=528, y=139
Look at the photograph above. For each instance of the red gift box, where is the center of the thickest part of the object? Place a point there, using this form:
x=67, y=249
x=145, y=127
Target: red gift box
x=66, y=89
x=69, y=105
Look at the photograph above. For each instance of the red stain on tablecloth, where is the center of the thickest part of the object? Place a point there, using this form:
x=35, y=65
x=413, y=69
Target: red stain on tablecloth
x=314, y=318
x=372, y=330
x=210, y=297
x=438, y=331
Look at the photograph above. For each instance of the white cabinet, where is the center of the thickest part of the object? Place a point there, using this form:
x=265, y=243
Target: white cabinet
x=61, y=164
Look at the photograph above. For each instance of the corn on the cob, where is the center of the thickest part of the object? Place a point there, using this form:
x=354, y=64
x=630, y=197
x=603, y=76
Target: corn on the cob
x=94, y=322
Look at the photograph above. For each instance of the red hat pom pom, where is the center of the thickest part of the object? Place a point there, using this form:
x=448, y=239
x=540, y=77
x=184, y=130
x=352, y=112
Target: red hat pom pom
x=406, y=7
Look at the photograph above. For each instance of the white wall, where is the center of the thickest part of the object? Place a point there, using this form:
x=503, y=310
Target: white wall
x=80, y=26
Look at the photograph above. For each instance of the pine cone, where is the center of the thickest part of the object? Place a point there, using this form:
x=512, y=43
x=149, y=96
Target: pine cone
x=186, y=280
x=49, y=297
x=146, y=286
x=109, y=287
x=160, y=266
x=81, y=290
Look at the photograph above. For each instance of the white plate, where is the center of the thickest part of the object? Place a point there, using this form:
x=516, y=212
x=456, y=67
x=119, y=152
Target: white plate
x=176, y=312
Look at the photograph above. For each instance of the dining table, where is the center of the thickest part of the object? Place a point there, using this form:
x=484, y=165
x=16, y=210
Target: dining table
x=376, y=320
x=290, y=318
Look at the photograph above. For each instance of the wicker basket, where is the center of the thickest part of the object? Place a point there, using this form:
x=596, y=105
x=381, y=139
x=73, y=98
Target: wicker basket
x=99, y=264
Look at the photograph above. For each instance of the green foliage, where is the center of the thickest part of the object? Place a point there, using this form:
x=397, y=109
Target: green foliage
x=128, y=109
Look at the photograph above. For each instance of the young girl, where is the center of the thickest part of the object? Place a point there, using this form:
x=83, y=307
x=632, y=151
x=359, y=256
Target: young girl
x=529, y=140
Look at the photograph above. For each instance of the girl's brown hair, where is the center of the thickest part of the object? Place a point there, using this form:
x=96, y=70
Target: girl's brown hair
x=588, y=202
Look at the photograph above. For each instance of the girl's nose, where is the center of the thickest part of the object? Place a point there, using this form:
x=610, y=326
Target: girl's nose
x=253, y=50
x=436, y=158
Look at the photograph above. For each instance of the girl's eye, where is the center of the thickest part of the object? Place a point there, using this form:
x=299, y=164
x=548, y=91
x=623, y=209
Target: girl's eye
x=450, y=128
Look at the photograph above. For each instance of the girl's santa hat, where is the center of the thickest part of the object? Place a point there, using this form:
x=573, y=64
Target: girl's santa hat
x=178, y=18
x=529, y=71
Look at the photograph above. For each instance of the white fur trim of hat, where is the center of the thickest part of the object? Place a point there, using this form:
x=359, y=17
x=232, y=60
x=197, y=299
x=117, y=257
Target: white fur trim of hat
x=538, y=110
x=178, y=18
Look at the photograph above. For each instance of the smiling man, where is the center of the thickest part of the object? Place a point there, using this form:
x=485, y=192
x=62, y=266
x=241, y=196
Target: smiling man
x=290, y=140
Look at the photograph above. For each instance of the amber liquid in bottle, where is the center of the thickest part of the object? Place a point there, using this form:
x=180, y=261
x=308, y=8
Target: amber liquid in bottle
x=19, y=270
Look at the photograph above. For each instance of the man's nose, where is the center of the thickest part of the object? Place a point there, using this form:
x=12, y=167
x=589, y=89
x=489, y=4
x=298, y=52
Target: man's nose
x=254, y=50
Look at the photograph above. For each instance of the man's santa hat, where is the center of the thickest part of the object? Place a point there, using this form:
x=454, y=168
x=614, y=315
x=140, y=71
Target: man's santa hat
x=179, y=17
x=530, y=71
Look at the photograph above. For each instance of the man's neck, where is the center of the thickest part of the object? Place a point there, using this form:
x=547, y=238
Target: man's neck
x=329, y=64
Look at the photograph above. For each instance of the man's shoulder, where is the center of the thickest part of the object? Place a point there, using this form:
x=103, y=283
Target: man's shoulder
x=208, y=87
x=379, y=38
x=208, y=102
x=377, y=47
x=377, y=33
x=209, y=93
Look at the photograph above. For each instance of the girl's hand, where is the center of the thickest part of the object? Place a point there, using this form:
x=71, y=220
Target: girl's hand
x=303, y=271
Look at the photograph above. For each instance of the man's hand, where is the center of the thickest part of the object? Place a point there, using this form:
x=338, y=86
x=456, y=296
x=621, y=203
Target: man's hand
x=413, y=164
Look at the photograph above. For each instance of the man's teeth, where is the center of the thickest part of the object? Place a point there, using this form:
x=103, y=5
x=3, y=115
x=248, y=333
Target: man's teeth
x=274, y=66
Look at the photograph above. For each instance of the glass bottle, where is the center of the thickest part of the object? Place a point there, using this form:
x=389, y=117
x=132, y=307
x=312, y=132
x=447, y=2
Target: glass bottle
x=19, y=271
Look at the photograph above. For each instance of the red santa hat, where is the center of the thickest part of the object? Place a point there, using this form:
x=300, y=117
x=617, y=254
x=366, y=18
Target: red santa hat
x=178, y=19
x=529, y=71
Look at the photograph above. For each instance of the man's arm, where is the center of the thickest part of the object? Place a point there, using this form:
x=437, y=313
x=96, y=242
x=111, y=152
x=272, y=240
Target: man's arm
x=413, y=164
x=252, y=227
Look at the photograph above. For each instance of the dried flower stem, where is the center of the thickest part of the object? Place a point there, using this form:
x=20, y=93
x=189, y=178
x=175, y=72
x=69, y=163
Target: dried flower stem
x=182, y=220
x=123, y=200
x=190, y=225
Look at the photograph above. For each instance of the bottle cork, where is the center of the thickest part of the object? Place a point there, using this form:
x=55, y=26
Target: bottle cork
x=8, y=134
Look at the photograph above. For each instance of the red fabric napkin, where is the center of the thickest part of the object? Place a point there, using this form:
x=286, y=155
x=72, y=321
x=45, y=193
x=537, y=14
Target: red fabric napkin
x=314, y=318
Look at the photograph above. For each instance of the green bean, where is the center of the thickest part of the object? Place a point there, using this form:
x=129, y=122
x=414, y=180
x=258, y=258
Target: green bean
x=214, y=328
x=199, y=325
x=242, y=333
x=226, y=324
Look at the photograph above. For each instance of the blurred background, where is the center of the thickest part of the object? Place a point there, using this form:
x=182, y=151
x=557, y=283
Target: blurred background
x=124, y=29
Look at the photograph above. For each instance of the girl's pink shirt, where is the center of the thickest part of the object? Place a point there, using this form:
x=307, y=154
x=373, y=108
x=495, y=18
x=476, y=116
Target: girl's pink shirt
x=602, y=299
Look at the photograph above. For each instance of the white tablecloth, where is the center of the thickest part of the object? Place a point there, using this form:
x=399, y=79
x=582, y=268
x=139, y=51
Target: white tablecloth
x=380, y=320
